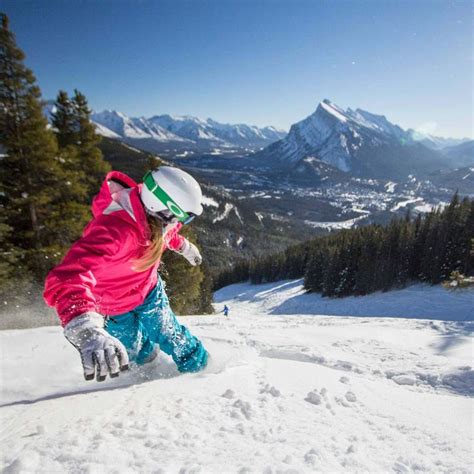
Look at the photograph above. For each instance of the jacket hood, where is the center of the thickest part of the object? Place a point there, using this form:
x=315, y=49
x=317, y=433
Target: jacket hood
x=113, y=182
x=119, y=192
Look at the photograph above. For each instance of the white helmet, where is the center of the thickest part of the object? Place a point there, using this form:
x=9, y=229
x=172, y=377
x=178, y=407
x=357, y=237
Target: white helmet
x=171, y=190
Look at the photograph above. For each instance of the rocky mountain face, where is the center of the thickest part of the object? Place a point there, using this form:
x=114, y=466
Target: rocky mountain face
x=353, y=141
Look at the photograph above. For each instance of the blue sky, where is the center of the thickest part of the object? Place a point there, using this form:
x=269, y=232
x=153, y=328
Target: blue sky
x=258, y=62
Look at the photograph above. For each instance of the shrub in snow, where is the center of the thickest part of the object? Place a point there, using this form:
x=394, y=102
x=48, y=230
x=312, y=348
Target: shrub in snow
x=457, y=280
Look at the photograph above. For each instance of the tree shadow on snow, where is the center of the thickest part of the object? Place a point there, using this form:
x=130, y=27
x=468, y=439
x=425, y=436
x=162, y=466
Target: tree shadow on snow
x=254, y=293
x=451, y=334
x=460, y=381
x=375, y=305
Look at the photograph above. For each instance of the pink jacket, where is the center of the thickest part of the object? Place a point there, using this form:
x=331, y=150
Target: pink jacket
x=96, y=274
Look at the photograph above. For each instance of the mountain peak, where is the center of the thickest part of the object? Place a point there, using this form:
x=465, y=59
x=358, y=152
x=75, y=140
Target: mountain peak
x=332, y=109
x=353, y=141
x=111, y=113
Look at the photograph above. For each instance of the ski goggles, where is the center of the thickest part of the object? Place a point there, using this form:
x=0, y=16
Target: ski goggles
x=169, y=218
x=163, y=197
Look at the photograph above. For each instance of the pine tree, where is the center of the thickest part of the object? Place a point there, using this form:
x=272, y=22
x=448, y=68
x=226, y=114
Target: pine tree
x=333, y=272
x=452, y=228
x=87, y=141
x=364, y=279
x=65, y=127
x=467, y=253
x=205, y=296
x=315, y=269
x=295, y=261
x=63, y=121
x=183, y=281
x=34, y=180
x=404, y=252
x=430, y=264
x=418, y=244
x=78, y=140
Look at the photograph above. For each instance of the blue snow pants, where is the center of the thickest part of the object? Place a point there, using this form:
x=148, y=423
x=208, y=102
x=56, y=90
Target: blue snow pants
x=154, y=323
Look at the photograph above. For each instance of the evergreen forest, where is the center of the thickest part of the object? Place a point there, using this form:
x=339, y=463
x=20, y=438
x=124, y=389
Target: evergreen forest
x=427, y=248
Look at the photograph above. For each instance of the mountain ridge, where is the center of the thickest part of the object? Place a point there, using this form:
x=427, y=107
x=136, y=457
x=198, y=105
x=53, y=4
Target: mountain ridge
x=185, y=129
x=167, y=132
x=355, y=141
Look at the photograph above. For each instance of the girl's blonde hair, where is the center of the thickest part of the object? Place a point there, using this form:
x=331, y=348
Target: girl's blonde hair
x=154, y=252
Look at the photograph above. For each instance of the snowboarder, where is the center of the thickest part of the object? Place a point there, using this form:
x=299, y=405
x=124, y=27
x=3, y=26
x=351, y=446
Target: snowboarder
x=107, y=291
x=226, y=310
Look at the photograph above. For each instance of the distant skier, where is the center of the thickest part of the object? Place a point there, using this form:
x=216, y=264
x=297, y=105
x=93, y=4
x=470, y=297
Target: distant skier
x=107, y=291
x=226, y=310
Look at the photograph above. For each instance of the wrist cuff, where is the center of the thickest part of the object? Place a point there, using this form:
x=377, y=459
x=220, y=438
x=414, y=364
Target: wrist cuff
x=184, y=248
x=87, y=320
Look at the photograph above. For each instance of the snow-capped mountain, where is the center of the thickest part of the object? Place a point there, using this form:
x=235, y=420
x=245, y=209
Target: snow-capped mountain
x=184, y=131
x=461, y=154
x=354, y=141
x=134, y=128
x=434, y=142
x=194, y=128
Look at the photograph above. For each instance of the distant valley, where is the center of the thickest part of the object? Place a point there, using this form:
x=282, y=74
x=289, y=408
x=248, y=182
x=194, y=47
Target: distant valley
x=335, y=169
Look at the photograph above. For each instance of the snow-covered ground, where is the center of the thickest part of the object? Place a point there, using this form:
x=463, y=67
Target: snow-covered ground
x=416, y=301
x=295, y=392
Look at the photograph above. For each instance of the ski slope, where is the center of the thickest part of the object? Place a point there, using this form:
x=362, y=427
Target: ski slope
x=295, y=392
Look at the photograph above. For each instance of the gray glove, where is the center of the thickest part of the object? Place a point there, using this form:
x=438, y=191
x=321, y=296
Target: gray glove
x=191, y=253
x=100, y=352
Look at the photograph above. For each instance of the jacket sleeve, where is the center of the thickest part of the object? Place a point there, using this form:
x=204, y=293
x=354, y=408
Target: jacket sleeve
x=69, y=286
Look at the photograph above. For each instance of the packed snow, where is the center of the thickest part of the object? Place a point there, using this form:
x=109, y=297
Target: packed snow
x=288, y=389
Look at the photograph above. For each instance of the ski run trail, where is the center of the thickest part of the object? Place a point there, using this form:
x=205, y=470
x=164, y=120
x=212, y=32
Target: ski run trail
x=288, y=389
